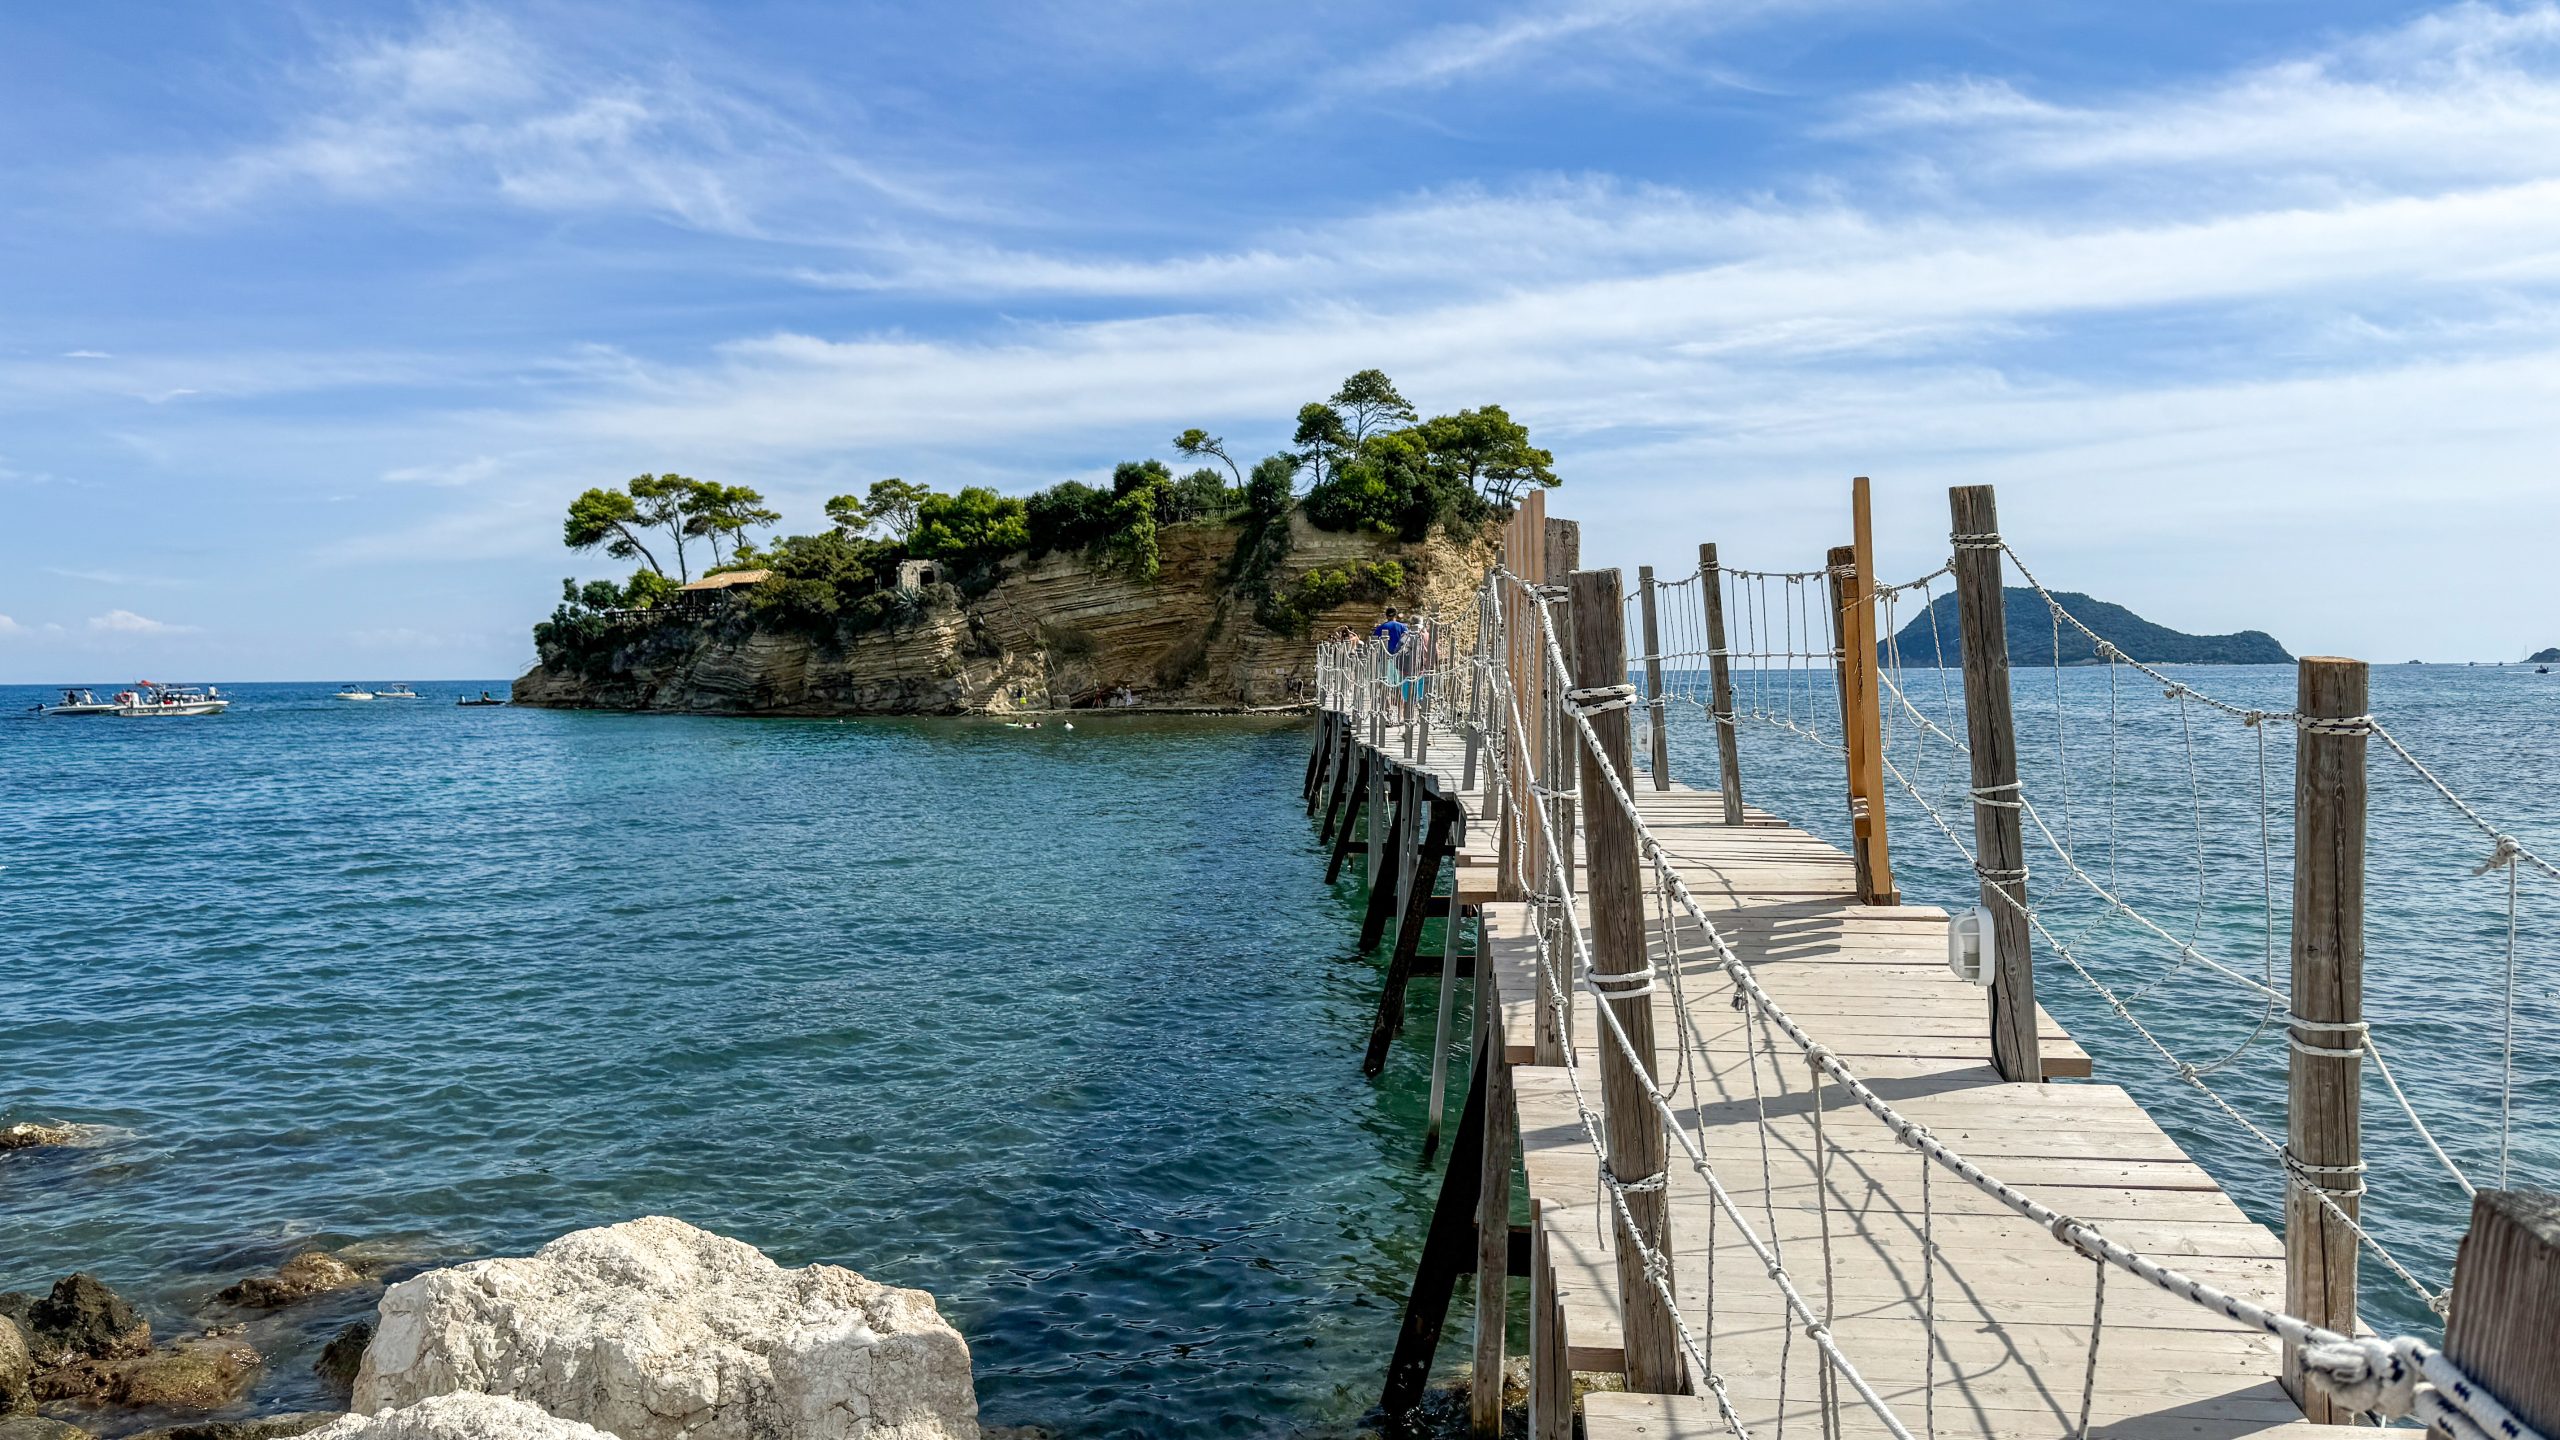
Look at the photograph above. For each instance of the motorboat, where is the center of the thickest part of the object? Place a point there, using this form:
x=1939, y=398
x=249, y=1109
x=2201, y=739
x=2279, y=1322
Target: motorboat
x=395, y=692
x=151, y=701
x=81, y=702
x=485, y=699
x=350, y=692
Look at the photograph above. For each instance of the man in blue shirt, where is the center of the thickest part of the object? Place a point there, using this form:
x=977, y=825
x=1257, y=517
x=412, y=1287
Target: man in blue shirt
x=1393, y=629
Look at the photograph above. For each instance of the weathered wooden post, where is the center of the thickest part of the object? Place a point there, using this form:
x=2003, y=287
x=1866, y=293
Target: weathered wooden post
x=2325, y=1082
x=1858, y=642
x=1473, y=724
x=1638, y=1150
x=2504, y=1329
x=1720, y=680
x=1841, y=566
x=1999, y=846
x=1493, y=1200
x=1562, y=551
x=1658, y=756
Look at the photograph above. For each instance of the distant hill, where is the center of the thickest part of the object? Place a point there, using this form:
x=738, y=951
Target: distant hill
x=2031, y=636
x=2544, y=657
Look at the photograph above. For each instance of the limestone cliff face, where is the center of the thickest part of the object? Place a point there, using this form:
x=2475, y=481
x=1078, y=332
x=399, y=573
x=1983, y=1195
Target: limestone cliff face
x=1054, y=633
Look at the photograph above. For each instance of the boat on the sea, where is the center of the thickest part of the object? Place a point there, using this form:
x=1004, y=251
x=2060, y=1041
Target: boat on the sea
x=395, y=692
x=153, y=701
x=80, y=702
x=350, y=692
x=485, y=699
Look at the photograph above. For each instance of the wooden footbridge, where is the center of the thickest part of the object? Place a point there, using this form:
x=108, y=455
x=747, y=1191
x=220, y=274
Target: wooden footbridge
x=1743, y=1201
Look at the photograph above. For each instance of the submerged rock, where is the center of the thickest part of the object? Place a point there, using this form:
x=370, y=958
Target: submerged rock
x=83, y=1320
x=265, y=1427
x=460, y=1416
x=17, y=1369
x=37, y=1427
x=313, y=1272
x=343, y=1357
x=656, y=1330
x=201, y=1372
x=29, y=1136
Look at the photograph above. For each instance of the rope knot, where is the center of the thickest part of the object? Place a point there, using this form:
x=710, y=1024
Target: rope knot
x=2348, y=725
x=2504, y=852
x=2367, y=1375
x=1988, y=540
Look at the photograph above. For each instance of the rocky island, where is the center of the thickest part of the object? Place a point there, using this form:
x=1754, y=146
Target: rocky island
x=2033, y=636
x=1165, y=591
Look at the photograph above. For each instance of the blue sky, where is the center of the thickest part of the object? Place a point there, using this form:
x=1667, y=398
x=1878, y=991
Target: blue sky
x=313, y=318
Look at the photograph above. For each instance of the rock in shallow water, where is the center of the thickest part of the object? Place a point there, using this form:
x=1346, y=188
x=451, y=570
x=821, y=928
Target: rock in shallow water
x=32, y=1137
x=83, y=1320
x=656, y=1330
x=36, y=1427
x=201, y=1372
x=343, y=1357
x=313, y=1272
x=460, y=1416
x=265, y=1427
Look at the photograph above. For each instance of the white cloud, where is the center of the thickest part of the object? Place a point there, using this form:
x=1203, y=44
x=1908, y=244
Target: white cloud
x=86, y=355
x=2469, y=94
x=470, y=108
x=11, y=627
x=460, y=472
x=125, y=622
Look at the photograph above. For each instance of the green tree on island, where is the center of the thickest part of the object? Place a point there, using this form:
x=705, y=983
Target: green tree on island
x=611, y=519
x=1321, y=438
x=723, y=514
x=1196, y=442
x=896, y=506
x=1368, y=400
x=1488, y=452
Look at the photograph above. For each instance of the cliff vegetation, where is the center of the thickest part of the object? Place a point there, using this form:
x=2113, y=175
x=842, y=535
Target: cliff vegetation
x=1192, y=589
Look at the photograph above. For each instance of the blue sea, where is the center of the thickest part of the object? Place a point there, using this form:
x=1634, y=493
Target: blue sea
x=1061, y=1026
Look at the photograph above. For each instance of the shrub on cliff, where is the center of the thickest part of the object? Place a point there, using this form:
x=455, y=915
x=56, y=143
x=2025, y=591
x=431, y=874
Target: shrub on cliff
x=1068, y=516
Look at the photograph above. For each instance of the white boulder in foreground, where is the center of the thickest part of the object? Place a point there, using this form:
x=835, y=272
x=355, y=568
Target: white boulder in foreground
x=656, y=1330
x=460, y=1416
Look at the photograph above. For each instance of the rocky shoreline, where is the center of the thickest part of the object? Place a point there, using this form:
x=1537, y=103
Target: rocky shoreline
x=648, y=1330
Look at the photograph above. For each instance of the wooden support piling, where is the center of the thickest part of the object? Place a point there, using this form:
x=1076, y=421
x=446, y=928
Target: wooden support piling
x=2504, y=1329
x=1493, y=1211
x=2325, y=1082
x=1999, y=843
x=1550, y=1363
x=1658, y=752
x=1720, y=682
x=1356, y=792
x=1638, y=1151
x=1448, y=1250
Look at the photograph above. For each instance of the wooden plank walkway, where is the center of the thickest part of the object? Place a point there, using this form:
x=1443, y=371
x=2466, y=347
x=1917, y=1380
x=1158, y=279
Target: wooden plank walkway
x=1967, y=1319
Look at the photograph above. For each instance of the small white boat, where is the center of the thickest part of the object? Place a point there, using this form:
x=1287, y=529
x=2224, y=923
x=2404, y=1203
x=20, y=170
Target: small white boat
x=349, y=692
x=395, y=692
x=154, y=701
x=81, y=702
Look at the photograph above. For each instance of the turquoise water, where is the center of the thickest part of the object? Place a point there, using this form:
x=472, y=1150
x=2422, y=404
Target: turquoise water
x=2146, y=819
x=1059, y=1026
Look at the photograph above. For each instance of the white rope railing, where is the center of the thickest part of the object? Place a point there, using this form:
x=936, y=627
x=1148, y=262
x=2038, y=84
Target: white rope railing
x=2396, y=1377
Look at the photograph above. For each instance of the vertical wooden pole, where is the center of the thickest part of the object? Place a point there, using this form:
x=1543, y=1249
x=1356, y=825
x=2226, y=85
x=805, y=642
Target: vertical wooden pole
x=1475, y=717
x=1842, y=563
x=1638, y=1150
x=2505, y=1327
x=1658, y=756
x=1720, y=680
x=1493, y=1203
x=2325, y=1084
x=1564, y=556
x=1550, y=1364
x=1858, y=641
x=1999, y=847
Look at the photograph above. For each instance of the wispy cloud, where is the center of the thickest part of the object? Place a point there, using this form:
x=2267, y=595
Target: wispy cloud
x=471, y=108
x=2463, y=95
x=125, y=622
x=11, y=627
